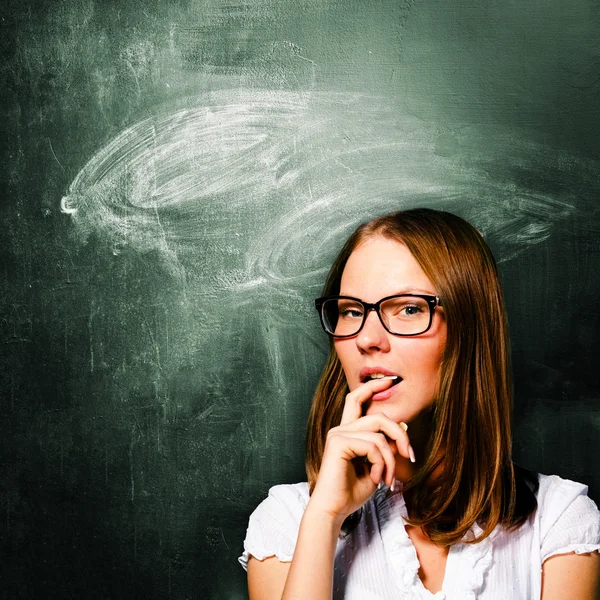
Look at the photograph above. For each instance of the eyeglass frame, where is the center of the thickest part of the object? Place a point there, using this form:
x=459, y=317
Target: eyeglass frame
x=432, y=302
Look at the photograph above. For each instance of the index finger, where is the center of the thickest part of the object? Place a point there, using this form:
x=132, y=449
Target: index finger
x=381, y=423
x=356, y=398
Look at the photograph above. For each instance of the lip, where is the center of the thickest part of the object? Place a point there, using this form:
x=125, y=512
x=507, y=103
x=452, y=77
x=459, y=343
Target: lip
x=379, y=396
x=366, y=371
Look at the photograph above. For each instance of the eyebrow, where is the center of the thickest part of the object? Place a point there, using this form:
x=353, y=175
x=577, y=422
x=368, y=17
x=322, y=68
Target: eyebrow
x=412, y=290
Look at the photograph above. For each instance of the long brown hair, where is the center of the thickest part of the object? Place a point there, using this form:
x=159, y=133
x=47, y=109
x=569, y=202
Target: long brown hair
x=472, y=410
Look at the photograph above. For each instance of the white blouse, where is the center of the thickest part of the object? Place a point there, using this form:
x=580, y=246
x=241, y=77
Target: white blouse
x=378, y=561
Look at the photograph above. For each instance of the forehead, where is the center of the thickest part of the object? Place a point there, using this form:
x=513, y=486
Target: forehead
x=382, y=267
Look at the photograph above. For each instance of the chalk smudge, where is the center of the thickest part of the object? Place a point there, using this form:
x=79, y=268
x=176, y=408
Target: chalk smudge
x=272, y=175
x=247, y=196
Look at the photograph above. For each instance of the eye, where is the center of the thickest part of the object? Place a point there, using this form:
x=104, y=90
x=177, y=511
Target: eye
x=411, y=309
x=350, y=310
x=351, y=313
x=405, y=308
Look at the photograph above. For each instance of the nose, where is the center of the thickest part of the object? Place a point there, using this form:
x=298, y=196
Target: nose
x=373, y=335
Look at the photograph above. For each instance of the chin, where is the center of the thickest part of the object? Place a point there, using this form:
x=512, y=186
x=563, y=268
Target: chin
x=388, y=409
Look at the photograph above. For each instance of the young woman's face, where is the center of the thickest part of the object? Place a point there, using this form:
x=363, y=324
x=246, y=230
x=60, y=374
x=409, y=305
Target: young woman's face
x=381, y=267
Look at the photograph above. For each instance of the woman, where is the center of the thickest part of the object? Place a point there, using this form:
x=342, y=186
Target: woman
x=411, y=490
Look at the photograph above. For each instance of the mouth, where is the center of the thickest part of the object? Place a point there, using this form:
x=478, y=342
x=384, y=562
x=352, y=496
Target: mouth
x=370, y=373
x=396, y=379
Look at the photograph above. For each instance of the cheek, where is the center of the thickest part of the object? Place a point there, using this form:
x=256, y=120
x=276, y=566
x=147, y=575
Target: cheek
x=423, y=360
x=434, y=367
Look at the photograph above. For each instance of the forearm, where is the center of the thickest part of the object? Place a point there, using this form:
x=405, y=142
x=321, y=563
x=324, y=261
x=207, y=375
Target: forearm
x=311, y=571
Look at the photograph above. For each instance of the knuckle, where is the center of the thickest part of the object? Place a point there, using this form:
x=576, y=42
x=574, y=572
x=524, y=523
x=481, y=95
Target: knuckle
x=385, y=420
x=333, y=440
x=374, y=418
x=351, y=395
x=381, y=421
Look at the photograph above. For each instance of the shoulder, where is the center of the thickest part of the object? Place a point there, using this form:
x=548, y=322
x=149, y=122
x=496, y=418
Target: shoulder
x=557, y=495
x=287, y=501
x=273, y=526
x=567, y=518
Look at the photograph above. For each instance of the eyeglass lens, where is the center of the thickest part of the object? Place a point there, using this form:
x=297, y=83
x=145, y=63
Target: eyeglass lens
x=405, y=315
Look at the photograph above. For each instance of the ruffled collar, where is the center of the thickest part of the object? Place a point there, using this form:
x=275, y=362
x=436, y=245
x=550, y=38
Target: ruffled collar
x=466, y=566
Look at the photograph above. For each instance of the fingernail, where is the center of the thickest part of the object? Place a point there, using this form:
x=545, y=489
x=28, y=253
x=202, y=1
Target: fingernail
x=393, y=484
x=411, y=453
x=403, y=425
x=379, y=485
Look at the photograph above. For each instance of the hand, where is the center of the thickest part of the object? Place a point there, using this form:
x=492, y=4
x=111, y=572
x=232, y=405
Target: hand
x=346, y=480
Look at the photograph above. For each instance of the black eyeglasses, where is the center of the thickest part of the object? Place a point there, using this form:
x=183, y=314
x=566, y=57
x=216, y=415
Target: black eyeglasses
x=404, y=314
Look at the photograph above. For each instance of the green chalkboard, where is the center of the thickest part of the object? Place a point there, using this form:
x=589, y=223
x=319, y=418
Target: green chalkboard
x=177, y=178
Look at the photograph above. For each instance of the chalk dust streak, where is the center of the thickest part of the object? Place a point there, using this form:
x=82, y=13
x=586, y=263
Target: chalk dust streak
x=246, y=196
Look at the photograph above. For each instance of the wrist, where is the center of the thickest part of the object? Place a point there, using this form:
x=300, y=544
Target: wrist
x=323, y=518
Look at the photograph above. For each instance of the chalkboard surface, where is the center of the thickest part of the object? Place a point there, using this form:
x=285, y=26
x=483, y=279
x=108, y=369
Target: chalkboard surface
x=177, y=177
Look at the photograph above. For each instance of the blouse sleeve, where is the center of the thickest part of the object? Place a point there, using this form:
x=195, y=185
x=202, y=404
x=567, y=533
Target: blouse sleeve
x=273, y=526
x=570, y=521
